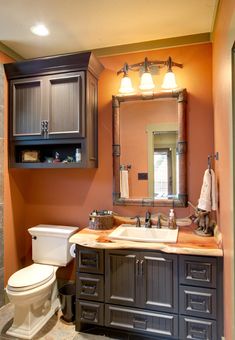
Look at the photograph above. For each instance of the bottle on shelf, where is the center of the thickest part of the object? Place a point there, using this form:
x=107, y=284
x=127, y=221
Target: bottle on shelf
x=78, y=155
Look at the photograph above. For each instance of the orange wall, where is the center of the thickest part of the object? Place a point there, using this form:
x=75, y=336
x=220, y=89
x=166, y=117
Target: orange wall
x=14, y=207
x=223, y=41
x=67, y=196
x=196, y=76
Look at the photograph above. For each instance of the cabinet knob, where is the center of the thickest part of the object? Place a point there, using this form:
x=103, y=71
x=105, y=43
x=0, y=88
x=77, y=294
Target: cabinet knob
x=88, y=315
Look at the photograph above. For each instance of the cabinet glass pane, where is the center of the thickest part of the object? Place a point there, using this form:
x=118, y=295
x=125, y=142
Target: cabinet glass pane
x=64, y=105
x=27, y=108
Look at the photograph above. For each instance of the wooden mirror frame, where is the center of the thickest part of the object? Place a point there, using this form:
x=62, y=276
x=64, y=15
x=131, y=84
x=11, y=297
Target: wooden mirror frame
x=182, y=198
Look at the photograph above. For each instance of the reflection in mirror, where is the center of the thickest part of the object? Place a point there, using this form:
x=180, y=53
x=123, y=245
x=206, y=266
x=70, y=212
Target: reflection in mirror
x=149, y=135
x=165, y=165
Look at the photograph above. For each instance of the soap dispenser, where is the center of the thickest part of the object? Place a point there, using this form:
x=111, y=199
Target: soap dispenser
x=172, y=222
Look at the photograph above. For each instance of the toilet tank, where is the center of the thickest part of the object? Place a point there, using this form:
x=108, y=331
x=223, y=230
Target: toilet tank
x=50, y=244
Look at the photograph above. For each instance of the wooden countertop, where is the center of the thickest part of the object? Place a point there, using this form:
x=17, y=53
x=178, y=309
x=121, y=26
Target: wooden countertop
x=188, y=242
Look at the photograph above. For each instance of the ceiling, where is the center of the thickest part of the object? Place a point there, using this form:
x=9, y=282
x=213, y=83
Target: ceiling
x=78, y=25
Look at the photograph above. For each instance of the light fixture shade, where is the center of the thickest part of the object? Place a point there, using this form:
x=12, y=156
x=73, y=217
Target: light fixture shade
x=146, y=82
x=126, y=85
x=169, y=81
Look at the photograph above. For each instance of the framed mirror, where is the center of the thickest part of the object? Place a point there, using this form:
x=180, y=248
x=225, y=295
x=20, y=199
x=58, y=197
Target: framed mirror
x=150, y=149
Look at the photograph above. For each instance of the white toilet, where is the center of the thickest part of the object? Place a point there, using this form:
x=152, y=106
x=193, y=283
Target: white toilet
x=33, y=290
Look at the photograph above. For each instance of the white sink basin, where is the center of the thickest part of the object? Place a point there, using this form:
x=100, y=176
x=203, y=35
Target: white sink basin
x=131, y=233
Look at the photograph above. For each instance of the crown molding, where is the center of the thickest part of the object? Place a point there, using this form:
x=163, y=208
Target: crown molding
x=153, y=44
x=9, y=52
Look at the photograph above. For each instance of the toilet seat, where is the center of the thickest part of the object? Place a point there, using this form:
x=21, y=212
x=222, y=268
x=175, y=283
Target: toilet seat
x=30, y=277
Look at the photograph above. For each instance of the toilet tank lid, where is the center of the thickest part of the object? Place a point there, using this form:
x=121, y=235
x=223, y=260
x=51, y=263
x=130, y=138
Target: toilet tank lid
x=55, y=230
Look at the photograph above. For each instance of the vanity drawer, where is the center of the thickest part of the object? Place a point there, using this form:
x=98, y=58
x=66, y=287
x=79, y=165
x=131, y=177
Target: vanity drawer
x=90, y=312
x=90, y=260
x=197, y=301
x=159, y=324
x=195, y=329
x=90, y=286
x=198, y=271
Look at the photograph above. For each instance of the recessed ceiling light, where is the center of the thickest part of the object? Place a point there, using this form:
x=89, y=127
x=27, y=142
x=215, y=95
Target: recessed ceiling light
x=40, y=29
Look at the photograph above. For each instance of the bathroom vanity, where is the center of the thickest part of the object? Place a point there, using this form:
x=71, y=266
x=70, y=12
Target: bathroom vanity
x=168, y=291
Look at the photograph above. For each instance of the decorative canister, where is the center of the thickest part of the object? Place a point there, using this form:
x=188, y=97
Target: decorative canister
x=101, y=220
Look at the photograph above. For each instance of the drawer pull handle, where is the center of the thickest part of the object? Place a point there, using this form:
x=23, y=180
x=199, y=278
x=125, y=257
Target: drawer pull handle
x=198, y=333
x=197, y=305
x=137, y=267
x=88, y=315
x=139, y=324
x=142, y=267
x=89, y=261
x=196, y=271
x=90, y=290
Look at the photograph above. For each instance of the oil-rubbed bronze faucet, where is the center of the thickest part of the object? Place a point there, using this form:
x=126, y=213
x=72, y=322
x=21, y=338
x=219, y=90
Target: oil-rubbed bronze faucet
x=138, y=224
x=159, y=221
x=148, y=223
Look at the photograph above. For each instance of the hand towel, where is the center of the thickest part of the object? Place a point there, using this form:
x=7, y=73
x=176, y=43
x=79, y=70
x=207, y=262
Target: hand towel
x=214, y=192
x=208, y=196
x=124, y=184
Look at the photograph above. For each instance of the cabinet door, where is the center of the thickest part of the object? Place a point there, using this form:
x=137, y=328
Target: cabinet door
x=158, y=282
x=66, y=105
x=121, y=269
x=27, y=107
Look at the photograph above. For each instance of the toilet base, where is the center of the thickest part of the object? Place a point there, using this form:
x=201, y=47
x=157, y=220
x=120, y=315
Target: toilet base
x=29, y=327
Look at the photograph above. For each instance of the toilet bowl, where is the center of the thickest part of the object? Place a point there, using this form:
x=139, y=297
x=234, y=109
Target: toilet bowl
x=33, y=289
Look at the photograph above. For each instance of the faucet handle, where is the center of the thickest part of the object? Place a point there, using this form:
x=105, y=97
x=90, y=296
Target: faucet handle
x=147, y=215
x=138, y=224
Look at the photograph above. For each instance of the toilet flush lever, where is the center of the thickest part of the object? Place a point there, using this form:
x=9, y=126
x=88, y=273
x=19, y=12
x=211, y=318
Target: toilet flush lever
x=34, y=237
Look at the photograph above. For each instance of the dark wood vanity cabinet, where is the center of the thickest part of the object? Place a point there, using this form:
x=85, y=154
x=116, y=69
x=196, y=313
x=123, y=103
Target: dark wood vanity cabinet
x=167, y=296
x=53, y=108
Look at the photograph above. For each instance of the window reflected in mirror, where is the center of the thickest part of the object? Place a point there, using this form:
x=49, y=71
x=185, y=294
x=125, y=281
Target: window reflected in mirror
x=165, y=162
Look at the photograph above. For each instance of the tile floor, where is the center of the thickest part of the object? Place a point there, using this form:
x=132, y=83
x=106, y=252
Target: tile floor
x=55, y=329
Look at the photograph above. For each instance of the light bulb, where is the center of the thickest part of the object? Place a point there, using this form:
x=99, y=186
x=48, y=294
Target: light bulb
x=169, y=81
x=146, y=82
x=126, y=85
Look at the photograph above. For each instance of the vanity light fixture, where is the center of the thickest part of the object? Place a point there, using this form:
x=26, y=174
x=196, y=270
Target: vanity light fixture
x=126, y=84
x=146, y=81
x=40, y=30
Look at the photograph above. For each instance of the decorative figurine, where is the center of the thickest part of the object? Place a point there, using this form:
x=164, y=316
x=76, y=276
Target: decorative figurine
x=57, y=158
x=202, y=218
x=68, y=159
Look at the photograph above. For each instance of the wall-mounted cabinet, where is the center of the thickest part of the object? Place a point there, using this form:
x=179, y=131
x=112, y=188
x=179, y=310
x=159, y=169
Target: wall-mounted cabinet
x=53, y=109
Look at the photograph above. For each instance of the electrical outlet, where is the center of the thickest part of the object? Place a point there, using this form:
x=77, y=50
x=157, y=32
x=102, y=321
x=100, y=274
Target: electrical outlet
x=142, y=176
